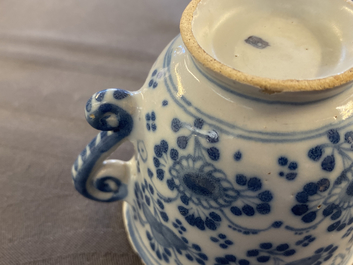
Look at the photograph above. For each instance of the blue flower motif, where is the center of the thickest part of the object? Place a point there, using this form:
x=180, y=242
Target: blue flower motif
x=267, y=252
x=251, y=194
x=150, y=121
x=196, y=130
x=329, y=162
x=155, y=77
x=291, y=166
x=222, y=241
x=161, y=157
x=201, y=184
x=205, y=191
x=322, y=200
x=162, y=240
x=179, y=225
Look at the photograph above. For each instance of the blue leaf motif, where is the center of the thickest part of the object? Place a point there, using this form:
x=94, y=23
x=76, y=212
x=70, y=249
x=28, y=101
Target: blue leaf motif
x=200, y=223
x=164, y=216
x=210, y=224
x=164, y=146
x=183, y=210
x=213, y=153
x=236, y=211
x=333, y=136
x=176, y=125
x=215, y=217
x=254, y=184
x=160, y=174
x=265, y=196
x=328, y=164
x=248, y=210
x=182, y=142
x=241, y=179
x=158, y=151
x=300, y=209
x=315, y=153
x=309, y=217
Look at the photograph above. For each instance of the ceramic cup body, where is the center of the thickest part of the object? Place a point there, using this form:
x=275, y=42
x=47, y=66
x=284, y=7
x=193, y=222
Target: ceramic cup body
x=224, y=173
x=208, y=191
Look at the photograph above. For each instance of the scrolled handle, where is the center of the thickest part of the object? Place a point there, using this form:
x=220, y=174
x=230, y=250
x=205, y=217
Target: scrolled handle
x=111, y=112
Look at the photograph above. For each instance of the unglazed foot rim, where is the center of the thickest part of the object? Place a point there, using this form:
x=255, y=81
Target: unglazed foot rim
x=268, y=85
x=129, y=231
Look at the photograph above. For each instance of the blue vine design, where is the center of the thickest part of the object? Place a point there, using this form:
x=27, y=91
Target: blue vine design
x=269, y=253
x=162, y=240
x=207, y=196
x=321, y=200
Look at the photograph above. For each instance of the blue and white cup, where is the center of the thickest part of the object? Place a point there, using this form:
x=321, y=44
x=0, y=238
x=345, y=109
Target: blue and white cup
x=243, y=152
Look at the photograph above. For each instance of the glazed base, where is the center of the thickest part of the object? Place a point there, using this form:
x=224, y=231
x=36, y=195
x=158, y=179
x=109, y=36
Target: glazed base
x=133, y=236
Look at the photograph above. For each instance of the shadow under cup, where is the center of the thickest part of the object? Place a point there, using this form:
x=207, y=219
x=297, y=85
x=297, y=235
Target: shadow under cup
x=277, y=39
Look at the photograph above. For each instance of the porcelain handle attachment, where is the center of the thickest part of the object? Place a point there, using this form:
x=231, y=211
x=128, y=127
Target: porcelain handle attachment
x=96, y=178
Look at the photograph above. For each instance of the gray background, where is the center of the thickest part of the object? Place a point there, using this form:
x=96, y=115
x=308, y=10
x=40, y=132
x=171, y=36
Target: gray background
x=53, y=56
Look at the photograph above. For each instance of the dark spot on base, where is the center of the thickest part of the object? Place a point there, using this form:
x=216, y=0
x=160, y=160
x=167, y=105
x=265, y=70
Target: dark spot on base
x=257, y=42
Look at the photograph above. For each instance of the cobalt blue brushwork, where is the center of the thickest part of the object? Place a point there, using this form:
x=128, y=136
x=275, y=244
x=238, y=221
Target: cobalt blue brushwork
x=151, y=121
x=163, y=241
x=155, y=77
x=269, y=253
x=206, y=194
x=185, y=188
x=115, y=124
x=325, y=199
x=288, y=169
x=222, y=172
x=207, y=198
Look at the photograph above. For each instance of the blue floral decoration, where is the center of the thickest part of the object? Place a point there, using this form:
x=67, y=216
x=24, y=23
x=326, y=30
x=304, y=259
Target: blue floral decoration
x=151, y=121
x=155, y=77
x=166, y=244
x=206, y=194
x=323, y=199
x=196, y=131
x=267, y=253
x=222, y=241
x=290, y=166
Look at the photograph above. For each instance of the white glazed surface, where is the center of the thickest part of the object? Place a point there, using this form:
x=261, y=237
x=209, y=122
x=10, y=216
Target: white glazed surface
x=313, y=41
x=264, y=133
x=235, y=149
x=223, y=173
